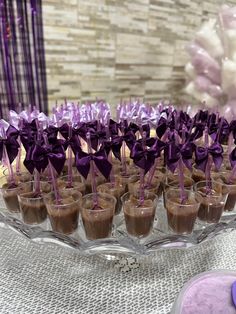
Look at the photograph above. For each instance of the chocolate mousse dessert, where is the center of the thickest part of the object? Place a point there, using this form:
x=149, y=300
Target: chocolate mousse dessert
x=134, y=185
x=212, y=205
x=229, y=187
x=9, y=194
x=139, y=217
x=97, y=219
x=181, y=215
x=198, y=175
x=64, y=214
x=77, y=183
x=32, y=207
x=116, y=190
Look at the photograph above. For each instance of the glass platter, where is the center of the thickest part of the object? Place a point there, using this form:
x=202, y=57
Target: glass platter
x=120, y=242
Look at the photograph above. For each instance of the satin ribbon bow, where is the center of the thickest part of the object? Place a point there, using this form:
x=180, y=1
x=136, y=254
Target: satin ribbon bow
x=10, y=143
x=100, y=159
x=52, y=132
x=28, y=133
x=73, y=141
x=174, y=152
x=224, y=130
x=114, y=146
x=201, y=153
x=144, y=158
x=38, y=156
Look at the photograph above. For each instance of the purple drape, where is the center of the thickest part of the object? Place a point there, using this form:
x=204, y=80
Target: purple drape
x=22, y=56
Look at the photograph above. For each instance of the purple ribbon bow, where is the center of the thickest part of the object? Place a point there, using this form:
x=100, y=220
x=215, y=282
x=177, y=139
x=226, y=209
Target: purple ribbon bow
x=201, y=153
x=173, y=152
x=144, y=158
x=39, y=155
x=10, y=143
x=100, y=159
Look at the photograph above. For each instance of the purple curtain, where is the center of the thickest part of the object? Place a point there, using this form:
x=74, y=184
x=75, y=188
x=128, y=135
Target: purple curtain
x=22, y=56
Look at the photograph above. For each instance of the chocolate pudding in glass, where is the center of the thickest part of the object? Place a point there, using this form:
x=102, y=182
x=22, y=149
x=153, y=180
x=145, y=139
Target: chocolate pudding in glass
x=229, y=187
x=64, y=214
x=134, y=185
x=117, y=190
x=20, y=177
x=198, y=175
x=212, y=202
x=9, y=192
x=97, y=218
x=32, y=206
x=99, y=180
x=160, y=175
x=139, y=216
x=78, y=183
x=173, y=183
x=182, y=213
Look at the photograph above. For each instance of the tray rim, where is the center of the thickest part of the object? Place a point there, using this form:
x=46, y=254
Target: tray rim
x=122, y=245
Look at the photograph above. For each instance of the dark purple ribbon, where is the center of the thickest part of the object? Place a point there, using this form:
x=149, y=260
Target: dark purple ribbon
x=100, y=159
x=201, y=153
x=39, y=155
x=213, y=130
x=144, y=158
x=11, y=143
x=28, y=133
x=173, y=152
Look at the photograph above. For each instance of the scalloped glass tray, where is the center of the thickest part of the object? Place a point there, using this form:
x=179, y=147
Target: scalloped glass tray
x=120, y=242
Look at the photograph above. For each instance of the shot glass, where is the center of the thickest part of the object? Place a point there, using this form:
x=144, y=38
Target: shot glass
x=78, y=183
x=117, y=190
x=97, y=218
x=134, y=185
x=139, y=216
x=212, y=201
x=182, y=213
x=229, y=188
x=32, y=206
x=173, y=183
x=64, y=214
x=9, y=193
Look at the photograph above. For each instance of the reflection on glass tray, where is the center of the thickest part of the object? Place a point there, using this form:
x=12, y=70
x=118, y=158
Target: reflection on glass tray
x=120, y=242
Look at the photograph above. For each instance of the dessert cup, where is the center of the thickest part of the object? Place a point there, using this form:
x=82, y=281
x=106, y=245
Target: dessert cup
x=32, y=206
x=97, y=219
x=139, y=217
x=99, y=180
x=229, y=188
x=134, y=185
x=20, y=177
x=9, y=192
x=116, y=190
x=78, y=183
x=207, y=293
x=64, y=214
x=160, y=175
x=198, y=175
x=181, y=215
x=212, y=202
x=173, y=183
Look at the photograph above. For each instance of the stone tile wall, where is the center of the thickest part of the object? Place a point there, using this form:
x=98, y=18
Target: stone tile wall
x=115, y=49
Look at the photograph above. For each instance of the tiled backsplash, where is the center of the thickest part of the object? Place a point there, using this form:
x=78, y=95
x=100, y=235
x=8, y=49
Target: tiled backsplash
x=115, y=49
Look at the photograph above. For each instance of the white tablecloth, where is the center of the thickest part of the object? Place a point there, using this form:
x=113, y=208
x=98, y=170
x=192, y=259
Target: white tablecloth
x=39, y=279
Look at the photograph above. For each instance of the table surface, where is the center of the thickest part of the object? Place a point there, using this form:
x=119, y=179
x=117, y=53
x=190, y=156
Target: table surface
x=36, y=278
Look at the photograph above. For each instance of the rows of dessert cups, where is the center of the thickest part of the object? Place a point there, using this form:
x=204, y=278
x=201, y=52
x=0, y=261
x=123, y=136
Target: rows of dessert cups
x=97, y=222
